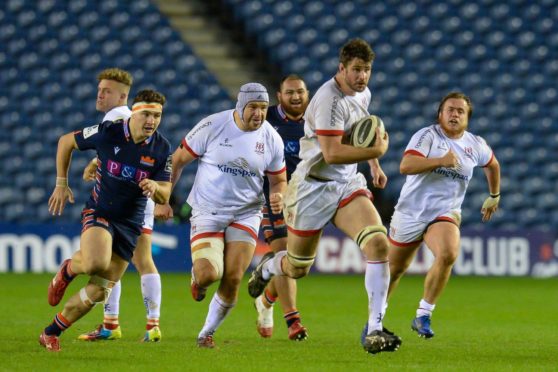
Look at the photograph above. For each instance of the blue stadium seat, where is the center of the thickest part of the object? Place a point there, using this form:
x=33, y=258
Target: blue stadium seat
x=502, y=54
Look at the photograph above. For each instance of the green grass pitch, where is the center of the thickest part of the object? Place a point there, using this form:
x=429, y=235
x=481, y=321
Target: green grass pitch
x=481, y=324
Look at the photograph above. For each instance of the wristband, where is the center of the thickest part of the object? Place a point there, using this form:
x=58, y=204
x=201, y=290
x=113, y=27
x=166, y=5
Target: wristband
x=61, y=182
x=494, y=195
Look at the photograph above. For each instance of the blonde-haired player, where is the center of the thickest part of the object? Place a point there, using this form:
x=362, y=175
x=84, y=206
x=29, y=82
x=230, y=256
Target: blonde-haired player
x=438, y=162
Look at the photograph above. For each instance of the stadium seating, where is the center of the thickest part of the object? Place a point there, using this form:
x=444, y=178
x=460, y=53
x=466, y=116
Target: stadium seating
x=50, y=54
x=504, y=55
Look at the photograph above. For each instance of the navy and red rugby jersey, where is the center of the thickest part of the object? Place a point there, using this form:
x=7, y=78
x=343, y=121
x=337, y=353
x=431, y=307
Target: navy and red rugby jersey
x=290, y=131
x=122, y=165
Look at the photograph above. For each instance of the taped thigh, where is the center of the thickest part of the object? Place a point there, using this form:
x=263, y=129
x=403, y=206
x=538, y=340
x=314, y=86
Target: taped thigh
x=212, y=249
x=368, y=233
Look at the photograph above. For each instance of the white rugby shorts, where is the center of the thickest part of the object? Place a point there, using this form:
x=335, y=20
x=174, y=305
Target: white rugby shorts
x=310, y=203
x=405, y=230
x=243, y=227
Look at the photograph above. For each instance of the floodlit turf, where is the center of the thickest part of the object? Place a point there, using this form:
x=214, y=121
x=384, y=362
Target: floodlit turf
x=481, y=324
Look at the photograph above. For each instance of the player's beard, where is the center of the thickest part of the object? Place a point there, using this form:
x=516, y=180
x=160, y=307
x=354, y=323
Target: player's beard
x=294, y=111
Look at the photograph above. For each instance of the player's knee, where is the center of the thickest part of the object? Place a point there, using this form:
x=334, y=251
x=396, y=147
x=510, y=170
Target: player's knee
x=97, y=291
x=299, y=266
x=231, y=283
x=204, y=273
x=374, y=239
x=212, y=250
x=447, y=258
x=90, y=267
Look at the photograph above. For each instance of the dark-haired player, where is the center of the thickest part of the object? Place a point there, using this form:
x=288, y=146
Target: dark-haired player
x=134, y=164
x=327, y=187
x=287, y=119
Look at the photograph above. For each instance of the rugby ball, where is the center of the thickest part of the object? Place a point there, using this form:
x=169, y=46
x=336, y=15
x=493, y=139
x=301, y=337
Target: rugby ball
x=363, y=132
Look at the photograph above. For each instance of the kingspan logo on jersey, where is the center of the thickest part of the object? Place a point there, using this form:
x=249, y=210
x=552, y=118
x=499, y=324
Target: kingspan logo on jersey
x=237, y=167
x=450, y=173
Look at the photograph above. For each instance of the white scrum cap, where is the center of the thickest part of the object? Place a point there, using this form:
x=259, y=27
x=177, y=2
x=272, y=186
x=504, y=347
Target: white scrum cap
x=250, y=92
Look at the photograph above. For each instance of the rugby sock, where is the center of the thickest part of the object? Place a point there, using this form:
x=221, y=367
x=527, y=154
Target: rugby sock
x=291, y=317
x=218, y=311
x=425, y=308
x=68, y=273
x=112, y=307
x=58, y=325
x=151, y=323
x=268, y=299
x=151, y=291
x=273, y=266
x=110, y=322
x=376, y=281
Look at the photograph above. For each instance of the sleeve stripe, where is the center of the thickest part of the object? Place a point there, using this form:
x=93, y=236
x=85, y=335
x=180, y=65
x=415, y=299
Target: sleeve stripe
x=490, y=161
x=277, y=172
x=189, y=149
x=321, y=132
x=414, y=152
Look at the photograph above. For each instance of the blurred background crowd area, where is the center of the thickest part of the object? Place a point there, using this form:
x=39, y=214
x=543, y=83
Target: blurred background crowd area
x=504, y=54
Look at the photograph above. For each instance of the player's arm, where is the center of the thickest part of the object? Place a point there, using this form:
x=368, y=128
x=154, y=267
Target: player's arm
x=159, y=191
x=335, y=152
x=62, y=192
x=490, y=205
x=90, y=170
x=379, y=178
x=414, y=162
x=180, y=158
x=277, y=187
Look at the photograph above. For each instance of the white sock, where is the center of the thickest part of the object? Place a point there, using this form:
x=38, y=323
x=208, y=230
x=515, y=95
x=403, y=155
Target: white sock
x=151, y=292
x=112, y=307
x=376, y=281
x=425, y=308
x=273, y=266
x=216, y=314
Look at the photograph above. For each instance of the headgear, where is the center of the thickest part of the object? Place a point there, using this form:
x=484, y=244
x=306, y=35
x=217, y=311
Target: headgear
x=250, y=92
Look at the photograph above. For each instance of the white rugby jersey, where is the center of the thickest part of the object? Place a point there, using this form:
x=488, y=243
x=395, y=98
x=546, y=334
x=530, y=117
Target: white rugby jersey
x=232, y=163
x=330, y=113
x=428, y=195
x=116, y=113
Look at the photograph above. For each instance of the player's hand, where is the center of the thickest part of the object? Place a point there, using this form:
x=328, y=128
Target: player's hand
x=90, y=170
x=381, y=142
x=489, y=207
x=379, y=178
x=276, y=202
x=58, y=199
x=449, y=160
x=149, y=187
x=163, y=212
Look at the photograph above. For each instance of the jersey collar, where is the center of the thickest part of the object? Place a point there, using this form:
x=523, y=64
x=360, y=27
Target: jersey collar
x=285, y=117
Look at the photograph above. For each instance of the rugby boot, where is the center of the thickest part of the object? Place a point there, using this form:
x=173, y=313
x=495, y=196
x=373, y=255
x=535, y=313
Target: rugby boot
x=51, y=343
x=257, y=283
x=421, y=325
x=297, y=332
x=58, y=284
x=101, y=333
x=265, y=318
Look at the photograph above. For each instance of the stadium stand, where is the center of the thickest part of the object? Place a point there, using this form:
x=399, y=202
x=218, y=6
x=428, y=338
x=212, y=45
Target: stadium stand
x=504, y=55
x=50, y=54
